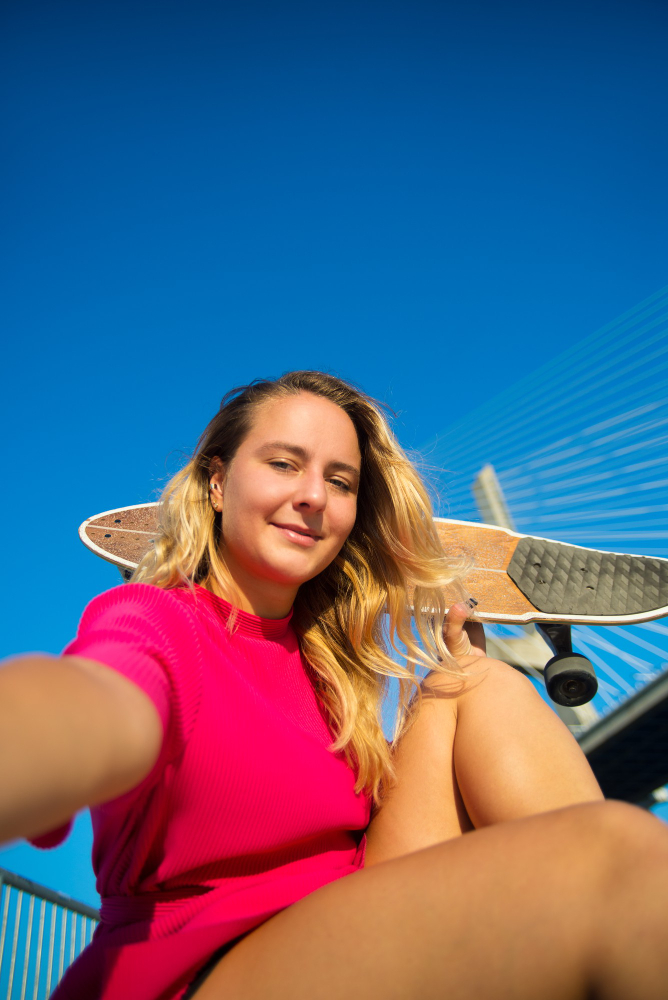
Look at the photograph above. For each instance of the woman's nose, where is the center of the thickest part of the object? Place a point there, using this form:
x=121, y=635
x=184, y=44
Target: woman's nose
x=311, y=492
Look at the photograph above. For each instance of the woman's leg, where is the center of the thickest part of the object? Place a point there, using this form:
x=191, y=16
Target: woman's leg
x=566, y=905
x=480, y=752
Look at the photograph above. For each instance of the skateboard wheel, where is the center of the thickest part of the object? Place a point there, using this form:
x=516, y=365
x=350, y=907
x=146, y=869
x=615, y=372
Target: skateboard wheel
x=570, y=679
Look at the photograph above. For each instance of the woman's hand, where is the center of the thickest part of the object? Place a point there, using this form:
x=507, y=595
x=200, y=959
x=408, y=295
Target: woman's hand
x=463, y=638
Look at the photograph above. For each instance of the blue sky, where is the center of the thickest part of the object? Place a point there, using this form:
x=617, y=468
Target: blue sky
x=432, y=199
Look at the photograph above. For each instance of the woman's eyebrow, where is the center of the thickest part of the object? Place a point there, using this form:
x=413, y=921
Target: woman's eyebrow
x=302, y=453
x=343, y=467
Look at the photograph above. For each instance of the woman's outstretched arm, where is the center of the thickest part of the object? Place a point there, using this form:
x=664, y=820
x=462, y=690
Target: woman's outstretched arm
x=72, y=733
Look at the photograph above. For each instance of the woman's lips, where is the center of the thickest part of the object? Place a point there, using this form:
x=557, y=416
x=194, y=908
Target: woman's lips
x=297, y=536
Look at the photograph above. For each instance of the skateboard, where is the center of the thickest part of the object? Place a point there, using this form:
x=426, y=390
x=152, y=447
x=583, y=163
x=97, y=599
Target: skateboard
x=515, y=579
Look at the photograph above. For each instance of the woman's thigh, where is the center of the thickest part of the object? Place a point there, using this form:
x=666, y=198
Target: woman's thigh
x=541, y=907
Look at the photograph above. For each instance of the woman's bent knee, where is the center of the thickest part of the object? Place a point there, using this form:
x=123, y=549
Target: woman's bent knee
x=626, y=826
x=480, y=674
x=616, y=837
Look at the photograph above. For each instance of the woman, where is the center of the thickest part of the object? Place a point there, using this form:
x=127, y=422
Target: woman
x=221, y=715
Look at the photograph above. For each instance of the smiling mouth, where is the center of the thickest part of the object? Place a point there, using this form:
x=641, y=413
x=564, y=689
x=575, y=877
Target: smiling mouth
x=303, y=532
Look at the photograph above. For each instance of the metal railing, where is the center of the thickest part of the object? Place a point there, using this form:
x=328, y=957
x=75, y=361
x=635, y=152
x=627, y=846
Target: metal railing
x=41, y=933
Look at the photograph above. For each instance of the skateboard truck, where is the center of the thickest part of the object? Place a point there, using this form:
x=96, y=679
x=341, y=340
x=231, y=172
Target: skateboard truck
x=569, y=677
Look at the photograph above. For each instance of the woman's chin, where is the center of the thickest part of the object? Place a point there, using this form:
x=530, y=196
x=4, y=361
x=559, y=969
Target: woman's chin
x=294, y=573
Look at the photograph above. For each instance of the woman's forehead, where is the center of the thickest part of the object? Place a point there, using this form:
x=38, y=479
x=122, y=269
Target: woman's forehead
x=304, y=420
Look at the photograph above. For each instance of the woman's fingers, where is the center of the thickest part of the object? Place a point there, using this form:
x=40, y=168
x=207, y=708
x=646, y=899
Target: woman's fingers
x=463, y=638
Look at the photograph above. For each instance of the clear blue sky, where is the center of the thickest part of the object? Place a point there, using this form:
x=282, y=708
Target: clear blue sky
x=430, y=198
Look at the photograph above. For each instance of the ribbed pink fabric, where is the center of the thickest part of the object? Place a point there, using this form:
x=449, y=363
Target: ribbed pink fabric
x=246, y=810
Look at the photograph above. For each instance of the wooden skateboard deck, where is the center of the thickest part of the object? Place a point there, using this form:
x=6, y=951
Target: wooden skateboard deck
x=515, y=578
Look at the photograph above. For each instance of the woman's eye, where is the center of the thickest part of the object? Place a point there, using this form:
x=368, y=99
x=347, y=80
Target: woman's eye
x=282, y=466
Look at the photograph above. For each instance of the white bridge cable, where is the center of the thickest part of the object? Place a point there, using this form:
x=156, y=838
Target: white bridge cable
x=597, y=395
x=633, y=486
x=619, y=682
x=513, y=432
x=584, y=515
x=622, y=417
x=630, y=475
x=540, y=483
x=654, y=627
x=539, y=488
x=543, y=479
x=550, y=394
x=544, y=466
x=549, y=504
x=627, y=658
x=548, y=375
x=658, y=442
x=636, y=640
x=619, y=418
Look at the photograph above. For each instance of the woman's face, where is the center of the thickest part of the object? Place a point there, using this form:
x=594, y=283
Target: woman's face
x=289, y=499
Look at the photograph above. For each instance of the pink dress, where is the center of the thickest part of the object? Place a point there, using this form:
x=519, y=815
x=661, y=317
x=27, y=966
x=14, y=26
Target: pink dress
x=246, y=810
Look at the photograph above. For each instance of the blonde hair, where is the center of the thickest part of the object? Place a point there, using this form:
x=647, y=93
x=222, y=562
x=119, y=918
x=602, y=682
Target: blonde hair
x=391, y=560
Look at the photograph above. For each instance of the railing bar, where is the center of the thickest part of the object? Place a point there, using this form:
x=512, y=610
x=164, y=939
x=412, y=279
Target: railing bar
x=5, y=911
x=73, y=935
x=61, y=957
x=38, y=957
x=52, y=941
x=26, y=960
x=50, y=895
x=12, y=961
x=32, y=938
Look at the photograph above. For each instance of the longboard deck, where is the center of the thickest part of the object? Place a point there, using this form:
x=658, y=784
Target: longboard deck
x=515, y=578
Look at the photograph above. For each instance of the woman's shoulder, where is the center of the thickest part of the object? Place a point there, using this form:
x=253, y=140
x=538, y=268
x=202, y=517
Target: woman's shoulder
x=140, y=602
x=140, y=595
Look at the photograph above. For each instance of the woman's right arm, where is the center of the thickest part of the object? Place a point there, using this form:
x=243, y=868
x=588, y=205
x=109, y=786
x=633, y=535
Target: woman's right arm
x=73, y=733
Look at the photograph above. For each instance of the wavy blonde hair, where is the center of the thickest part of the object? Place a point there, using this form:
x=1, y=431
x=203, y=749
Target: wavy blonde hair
x=392, y=564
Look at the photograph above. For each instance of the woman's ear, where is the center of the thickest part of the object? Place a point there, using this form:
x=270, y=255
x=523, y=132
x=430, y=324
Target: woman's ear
x=216, y=480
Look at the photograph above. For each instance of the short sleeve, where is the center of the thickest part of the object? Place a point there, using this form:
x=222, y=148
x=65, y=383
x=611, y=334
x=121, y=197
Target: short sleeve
x=151, y=637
